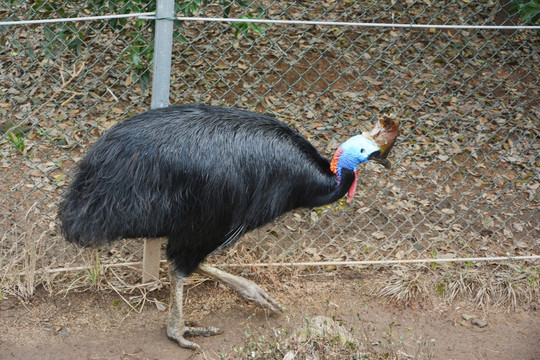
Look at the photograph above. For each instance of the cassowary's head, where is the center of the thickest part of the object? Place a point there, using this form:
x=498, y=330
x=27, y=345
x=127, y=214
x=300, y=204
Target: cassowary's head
x=372, y=146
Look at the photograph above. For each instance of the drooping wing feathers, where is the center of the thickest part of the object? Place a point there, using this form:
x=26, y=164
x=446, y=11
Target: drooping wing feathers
x=230, y=239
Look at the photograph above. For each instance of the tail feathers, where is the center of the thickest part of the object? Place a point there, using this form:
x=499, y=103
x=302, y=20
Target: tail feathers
x=83, y=229
x=80, y=235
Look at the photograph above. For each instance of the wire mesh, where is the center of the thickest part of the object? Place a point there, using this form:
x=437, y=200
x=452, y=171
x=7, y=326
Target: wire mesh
x=465, y=176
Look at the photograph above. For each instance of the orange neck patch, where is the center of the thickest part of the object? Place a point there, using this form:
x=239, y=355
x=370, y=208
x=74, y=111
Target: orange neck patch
x=335, y=159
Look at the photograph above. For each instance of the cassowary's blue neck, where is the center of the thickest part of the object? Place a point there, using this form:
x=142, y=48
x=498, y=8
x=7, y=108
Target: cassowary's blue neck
x=348, y=178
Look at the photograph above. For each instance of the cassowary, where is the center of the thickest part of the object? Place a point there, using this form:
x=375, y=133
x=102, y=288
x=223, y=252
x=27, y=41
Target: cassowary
x=203, y=176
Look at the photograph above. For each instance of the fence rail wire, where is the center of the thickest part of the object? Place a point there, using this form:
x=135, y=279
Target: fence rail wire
x=152, y=16
x=146, y=15
x=465, y=184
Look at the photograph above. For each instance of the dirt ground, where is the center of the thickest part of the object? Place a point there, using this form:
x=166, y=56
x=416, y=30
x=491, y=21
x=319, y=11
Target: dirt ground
x=100, y=325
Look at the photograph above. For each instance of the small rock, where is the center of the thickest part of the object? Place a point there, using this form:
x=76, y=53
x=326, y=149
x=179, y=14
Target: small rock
x=479, y=323
x=468, y=317
x=325, y=327
x=160, y=306
x=289, y=356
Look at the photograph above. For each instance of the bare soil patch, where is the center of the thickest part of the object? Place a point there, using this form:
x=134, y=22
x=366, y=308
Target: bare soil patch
x=99, y=325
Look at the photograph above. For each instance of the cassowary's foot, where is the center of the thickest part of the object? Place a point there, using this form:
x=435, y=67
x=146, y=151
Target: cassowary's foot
x=178, y=335
x=176, y=329
x=246, y=288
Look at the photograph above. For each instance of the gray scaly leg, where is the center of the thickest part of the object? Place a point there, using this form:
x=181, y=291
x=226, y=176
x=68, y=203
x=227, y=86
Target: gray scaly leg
x=176, y=328
x=246, y=288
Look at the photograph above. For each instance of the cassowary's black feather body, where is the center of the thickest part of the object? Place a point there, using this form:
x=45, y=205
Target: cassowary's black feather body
x=198, y=175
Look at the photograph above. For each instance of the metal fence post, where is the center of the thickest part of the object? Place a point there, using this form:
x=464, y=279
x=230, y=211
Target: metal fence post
x=160, y=98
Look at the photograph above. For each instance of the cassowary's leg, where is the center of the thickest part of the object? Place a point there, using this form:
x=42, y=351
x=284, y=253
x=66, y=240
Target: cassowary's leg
x=175, y=324
x=246, y=288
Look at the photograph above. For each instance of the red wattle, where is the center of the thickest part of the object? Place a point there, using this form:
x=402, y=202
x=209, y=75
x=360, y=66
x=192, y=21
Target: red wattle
x=352, y=189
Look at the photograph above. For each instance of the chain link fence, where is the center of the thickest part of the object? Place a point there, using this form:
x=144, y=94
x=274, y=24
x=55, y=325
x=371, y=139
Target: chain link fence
x=465, y=178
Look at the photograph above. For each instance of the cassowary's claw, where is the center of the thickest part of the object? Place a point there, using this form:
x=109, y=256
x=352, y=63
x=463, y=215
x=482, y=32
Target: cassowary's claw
x=200, y=331
x=178, y=336
x=252, y=292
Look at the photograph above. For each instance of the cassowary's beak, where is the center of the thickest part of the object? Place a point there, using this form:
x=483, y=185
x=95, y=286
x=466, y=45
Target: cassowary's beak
x=378, y=158
x=384, y=134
